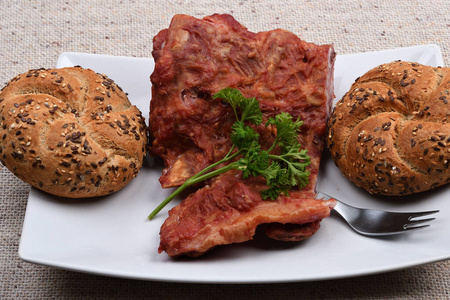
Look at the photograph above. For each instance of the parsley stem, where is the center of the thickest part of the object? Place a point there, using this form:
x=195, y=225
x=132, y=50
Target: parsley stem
x=273, y=145
x=199, y=177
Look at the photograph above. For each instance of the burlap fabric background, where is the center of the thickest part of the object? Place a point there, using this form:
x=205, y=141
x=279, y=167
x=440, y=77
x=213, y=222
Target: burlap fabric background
x=34, y=33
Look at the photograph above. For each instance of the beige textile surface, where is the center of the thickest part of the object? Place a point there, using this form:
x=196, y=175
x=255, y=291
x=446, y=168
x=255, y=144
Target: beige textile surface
x=34, y=33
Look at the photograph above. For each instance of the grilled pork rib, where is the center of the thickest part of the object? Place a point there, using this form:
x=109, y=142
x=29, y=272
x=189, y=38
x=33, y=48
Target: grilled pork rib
x=195, y=58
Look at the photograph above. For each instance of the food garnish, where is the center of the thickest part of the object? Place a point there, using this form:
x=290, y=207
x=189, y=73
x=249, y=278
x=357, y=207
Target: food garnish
x=282, y=171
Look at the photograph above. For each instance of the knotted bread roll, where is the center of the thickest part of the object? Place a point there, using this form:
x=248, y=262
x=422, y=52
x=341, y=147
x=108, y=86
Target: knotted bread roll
x=70, y=132
x=390, y=134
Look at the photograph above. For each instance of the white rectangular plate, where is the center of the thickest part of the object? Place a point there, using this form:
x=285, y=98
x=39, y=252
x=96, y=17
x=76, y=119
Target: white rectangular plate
x=111, y=235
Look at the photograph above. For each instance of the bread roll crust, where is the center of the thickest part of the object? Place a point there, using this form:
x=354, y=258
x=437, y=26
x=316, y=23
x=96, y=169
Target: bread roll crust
x=390, y=134
x=70, y=132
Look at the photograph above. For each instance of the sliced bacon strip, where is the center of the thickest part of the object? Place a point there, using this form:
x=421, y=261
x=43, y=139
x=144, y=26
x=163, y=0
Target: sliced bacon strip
x=229, y=210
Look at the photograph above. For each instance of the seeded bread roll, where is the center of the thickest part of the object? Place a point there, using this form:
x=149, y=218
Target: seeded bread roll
x=390, y=134
x=70, y=132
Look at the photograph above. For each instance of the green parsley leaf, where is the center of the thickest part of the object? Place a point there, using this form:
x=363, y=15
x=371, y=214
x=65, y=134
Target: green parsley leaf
x=250, y=111
x=243, y=136
x=249, y=106
x=287, y=130
x=231, y=96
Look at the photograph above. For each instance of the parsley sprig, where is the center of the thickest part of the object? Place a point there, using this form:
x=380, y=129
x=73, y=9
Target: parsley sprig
x=281, y=171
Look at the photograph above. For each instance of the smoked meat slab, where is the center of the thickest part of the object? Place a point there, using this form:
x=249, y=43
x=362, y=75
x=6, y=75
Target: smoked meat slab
x=194, y=59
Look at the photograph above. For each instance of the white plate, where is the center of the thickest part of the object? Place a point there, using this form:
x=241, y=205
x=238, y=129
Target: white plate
x=111, y=236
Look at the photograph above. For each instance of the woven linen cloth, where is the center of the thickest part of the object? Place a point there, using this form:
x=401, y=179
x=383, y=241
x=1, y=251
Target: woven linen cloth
x=34, y=33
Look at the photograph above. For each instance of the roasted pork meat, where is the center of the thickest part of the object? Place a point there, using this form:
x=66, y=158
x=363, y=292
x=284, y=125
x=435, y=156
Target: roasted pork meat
x=195, y=58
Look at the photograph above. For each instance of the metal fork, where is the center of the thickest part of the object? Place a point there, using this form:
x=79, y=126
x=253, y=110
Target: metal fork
x=372, y=222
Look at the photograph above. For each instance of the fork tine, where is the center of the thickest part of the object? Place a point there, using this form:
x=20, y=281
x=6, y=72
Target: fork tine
x=416, y=227
x=421, y=214
x=415, y=222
